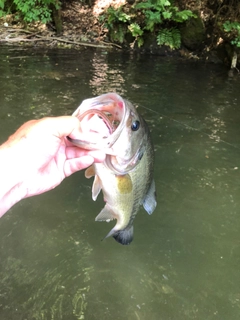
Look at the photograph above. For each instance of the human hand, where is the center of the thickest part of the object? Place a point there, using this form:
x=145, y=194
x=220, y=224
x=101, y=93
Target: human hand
x=42, y=155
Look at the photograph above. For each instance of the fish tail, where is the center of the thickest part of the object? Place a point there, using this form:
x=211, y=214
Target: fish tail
x=124, y=236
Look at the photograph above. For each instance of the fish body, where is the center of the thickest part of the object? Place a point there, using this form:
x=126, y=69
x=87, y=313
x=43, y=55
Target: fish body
x=126, y=176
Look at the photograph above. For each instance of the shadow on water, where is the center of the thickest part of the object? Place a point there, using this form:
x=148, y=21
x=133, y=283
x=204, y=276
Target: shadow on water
x=184, y=260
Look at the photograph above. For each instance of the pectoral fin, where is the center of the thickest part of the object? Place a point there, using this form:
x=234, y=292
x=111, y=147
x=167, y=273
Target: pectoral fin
x=90, y=172
x=150, y=202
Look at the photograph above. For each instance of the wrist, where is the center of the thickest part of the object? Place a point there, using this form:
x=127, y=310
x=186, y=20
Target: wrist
x=11, y=176
x=10, y=198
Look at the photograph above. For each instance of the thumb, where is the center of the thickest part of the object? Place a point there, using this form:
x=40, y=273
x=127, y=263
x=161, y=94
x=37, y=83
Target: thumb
x=62, y=126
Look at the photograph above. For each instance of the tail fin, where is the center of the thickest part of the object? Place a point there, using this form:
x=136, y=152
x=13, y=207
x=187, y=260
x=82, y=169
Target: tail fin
x=124, y=236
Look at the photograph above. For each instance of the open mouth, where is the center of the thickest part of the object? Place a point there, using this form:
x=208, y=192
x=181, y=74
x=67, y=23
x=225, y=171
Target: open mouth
x=97, y=125
x=101, y=123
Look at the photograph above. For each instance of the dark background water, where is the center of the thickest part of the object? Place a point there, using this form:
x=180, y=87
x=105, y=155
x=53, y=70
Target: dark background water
x=184, y=260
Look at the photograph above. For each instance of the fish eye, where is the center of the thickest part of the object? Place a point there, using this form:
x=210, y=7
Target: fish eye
x=135, y=125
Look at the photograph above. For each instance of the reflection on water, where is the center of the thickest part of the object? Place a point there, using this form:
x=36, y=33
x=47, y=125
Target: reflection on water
x=105, y=76
x=184, y=260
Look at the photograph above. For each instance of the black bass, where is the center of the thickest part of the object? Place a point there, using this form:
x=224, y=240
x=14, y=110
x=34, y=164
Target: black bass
x=111, y=123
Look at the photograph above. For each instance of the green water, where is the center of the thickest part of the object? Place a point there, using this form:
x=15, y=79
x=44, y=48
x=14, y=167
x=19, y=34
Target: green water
x=184, y=261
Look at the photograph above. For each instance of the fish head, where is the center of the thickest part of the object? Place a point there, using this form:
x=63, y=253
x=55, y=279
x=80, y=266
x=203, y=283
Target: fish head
x=113, y=125
x=129, y=148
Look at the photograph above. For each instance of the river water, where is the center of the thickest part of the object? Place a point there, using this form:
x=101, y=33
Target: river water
x=184, y=260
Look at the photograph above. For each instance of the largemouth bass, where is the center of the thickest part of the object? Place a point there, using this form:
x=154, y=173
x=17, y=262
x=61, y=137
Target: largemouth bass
x=111, y=123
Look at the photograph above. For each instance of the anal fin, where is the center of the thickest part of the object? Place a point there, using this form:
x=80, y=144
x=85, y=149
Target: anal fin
x=106, y=214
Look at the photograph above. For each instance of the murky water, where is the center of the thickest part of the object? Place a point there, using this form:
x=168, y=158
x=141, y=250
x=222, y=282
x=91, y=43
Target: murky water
x=184, y=260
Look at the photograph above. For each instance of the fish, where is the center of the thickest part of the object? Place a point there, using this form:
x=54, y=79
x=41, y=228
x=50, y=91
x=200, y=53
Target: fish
x=111, y=123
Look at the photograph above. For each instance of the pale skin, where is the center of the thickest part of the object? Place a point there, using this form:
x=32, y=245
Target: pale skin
x=38, y=157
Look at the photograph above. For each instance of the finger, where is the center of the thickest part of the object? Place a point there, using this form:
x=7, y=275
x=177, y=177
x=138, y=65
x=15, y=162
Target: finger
x=75, y=152
x=74, y=165
x=62, y=126
x=67, y=125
